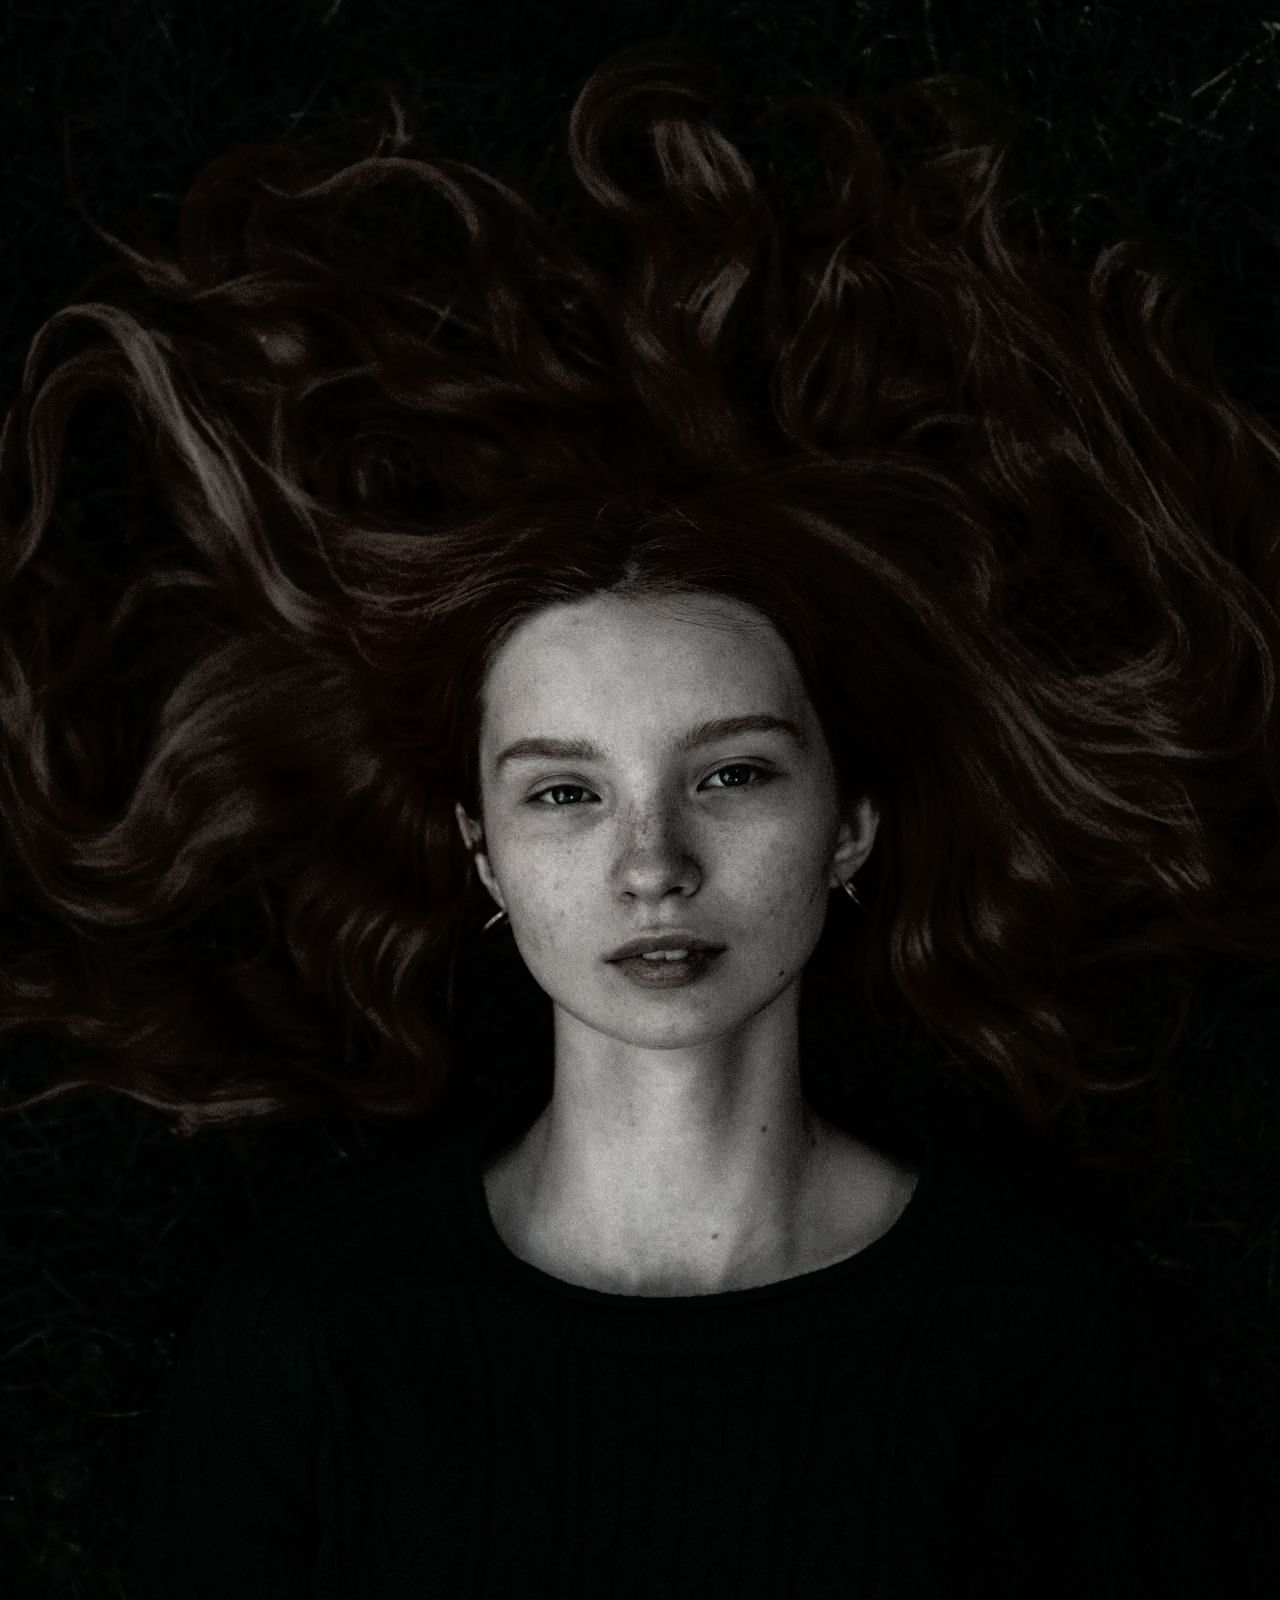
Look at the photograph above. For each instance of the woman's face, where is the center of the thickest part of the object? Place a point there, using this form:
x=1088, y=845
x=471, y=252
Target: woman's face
x=736, y=839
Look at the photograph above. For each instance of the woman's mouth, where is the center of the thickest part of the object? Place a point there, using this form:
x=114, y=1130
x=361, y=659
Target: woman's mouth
x=668, y=969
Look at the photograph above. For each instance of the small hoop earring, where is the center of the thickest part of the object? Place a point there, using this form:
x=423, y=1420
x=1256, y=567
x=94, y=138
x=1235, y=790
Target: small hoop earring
x=848, y=888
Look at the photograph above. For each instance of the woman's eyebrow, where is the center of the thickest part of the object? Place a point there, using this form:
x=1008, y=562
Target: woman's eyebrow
x=703, y=733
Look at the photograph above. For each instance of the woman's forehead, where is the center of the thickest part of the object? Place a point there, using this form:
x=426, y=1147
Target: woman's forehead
x=643, y=636
x=609, y=661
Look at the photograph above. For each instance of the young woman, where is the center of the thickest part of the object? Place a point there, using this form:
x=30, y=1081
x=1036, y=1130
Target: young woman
x=840, y=590
x=677, y=1154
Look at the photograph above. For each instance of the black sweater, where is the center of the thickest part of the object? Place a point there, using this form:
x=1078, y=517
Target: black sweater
x=379, y=1399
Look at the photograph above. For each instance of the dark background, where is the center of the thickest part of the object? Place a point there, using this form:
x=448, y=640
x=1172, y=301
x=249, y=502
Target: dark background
x=110, y=1229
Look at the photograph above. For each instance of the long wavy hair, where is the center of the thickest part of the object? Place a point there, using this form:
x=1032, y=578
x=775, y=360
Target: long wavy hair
x=1020, y=540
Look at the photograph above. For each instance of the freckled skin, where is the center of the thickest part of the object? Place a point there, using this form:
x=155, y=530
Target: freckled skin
x=677, y=1153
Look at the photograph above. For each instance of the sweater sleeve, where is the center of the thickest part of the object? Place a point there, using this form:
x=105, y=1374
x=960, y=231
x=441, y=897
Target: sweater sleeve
x=1105, y=1481
x=226, y=1501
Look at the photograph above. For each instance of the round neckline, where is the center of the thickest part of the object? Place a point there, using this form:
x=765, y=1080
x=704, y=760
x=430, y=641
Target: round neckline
x=505, y=1265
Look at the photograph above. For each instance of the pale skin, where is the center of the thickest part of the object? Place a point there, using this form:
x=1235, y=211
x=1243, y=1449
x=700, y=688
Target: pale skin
x=678, y=1153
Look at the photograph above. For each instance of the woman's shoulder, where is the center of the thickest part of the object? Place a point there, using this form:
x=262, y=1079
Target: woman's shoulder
x=1041, y=1252
x=344, y=1223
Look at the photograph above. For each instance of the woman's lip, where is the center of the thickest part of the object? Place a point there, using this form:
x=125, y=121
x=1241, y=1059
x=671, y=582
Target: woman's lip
x=695, y=949
x=668, y=974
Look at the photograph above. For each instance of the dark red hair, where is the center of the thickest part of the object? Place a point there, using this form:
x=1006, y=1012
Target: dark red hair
x=1021, y=541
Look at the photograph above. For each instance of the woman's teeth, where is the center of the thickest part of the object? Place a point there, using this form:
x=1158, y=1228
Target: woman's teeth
x=664, y=955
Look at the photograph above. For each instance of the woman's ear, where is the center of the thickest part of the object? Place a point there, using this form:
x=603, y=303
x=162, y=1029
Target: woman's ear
x=473, y=837
x=855, y=841
x=470, y=830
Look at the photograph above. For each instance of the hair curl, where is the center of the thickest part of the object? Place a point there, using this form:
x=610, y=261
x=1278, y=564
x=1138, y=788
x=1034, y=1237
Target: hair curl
x=1021, y=541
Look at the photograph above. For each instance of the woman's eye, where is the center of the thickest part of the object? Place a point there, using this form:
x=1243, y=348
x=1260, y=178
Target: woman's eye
x=761, y=775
